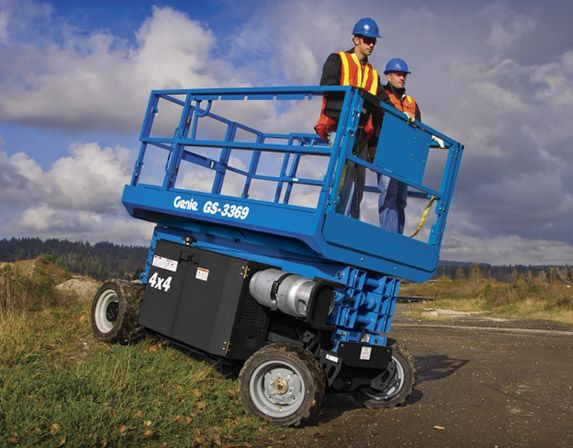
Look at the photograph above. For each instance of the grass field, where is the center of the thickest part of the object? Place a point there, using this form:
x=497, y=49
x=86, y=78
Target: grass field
x=60, y=387
x=521, y=299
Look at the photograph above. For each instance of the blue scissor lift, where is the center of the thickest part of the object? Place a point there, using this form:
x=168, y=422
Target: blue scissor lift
x=250, y=260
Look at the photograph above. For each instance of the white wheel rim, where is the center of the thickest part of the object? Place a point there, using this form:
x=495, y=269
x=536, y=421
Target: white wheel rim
x=106, y=298
x=395, y=386
x=277, y=389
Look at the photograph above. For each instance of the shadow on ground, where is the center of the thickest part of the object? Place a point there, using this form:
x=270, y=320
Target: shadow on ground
x=436, y=367
x=428, y=368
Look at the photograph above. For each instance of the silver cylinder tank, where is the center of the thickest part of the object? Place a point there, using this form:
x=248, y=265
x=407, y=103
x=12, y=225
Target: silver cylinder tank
x=281, y=291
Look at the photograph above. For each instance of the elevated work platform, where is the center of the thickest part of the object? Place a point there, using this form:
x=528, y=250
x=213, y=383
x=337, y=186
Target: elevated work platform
x=207, y=170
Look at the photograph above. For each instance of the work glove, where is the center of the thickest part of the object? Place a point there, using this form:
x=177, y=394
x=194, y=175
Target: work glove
x=409, y=117
x=439, y=141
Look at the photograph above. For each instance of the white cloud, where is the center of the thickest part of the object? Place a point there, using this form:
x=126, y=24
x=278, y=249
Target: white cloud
x=98, y=81
x=17, y=16
x=83, y=224
x=505, y=250
x=504, y=33
x=501, y=100
x=79, y=196
x=173, y=51
x=288, y=41
x=17, y=176
x=90, y=178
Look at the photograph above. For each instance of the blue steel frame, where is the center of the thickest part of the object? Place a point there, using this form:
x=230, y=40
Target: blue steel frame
x=364, y=260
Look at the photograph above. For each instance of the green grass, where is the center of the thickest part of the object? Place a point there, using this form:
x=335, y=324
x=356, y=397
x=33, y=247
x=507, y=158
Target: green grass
x=19, y=294
x=60, y=387
x=522, y=299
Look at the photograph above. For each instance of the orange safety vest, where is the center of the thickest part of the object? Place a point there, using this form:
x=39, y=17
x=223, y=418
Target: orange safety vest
x=352, y=73
x=406, y=104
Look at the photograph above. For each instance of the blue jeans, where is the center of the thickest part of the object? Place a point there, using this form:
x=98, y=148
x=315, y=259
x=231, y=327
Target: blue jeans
x=391, y=203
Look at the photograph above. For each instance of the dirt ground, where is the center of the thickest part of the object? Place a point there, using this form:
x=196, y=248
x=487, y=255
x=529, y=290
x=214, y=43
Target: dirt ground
x=477, y=386
x=82, y=288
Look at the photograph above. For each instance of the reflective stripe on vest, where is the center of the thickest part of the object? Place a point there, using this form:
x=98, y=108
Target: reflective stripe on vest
x=408, y=104
x=353, y=73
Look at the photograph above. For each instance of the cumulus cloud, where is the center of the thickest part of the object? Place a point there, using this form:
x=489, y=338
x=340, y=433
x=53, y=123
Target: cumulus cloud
x=98, y=81
x=510, y=249
x=16, y=17
x=90, y=178
x=83, y=224
x=523, y=187
x=291, y=40
x=77, y=197
x=508, y=27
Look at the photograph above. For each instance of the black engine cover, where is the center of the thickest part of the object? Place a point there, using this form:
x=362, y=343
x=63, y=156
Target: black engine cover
x=201, y=299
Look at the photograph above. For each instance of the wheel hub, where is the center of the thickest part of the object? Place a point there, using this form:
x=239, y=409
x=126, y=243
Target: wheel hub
x=277, y=388
x=280, y=386
x=111, y=311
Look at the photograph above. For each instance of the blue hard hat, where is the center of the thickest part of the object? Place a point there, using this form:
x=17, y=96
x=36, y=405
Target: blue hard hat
x=396, y=65
x=366, y=27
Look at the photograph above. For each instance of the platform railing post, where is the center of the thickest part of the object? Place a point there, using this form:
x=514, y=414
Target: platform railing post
x=145, y=132
x=177, y=147
x=282, y=175
x=224, y=159
x=292, y=174
x=255, y=158
x=344, y=141
x=448, y=181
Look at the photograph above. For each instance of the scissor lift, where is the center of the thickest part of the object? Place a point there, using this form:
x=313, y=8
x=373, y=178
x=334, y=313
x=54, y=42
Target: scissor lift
x=249, y=259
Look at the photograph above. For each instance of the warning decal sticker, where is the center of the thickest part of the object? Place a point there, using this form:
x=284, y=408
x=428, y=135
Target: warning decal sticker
x=164, y=263
x=202, y=274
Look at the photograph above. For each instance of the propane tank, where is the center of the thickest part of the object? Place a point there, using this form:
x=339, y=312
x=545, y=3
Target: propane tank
x=278, y=290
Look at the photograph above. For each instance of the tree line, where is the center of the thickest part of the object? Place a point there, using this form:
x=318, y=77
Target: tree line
x=506, y=273
x=108, y=260
x=101, y=260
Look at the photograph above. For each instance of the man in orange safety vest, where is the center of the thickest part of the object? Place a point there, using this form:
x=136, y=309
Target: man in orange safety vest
x=394, y=194
x=351, y=68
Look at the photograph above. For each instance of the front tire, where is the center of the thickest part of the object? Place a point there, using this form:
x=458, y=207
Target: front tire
x=115, y=312
x=283, y=384
x=401, y=380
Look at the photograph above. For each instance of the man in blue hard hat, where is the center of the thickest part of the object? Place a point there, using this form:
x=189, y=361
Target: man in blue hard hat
x=351, y=68
x=394, y=194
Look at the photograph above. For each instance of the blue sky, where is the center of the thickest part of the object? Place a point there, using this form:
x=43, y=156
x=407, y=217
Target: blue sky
x=75, y=77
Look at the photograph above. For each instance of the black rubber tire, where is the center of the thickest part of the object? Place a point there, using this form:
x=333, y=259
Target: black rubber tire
x=289, y=357
x=404, y=383
x=118, y=321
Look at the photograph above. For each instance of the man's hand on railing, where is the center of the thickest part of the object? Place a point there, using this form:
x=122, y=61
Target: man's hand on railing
x=410, y=117
x=439, y=141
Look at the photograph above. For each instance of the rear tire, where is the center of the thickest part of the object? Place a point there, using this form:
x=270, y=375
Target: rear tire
x=399, y=387
x=283, y=384
x=115, y=312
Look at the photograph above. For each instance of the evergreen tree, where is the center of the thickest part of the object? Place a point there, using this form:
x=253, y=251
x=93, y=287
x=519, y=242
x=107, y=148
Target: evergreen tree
x=101, y=261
